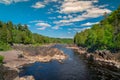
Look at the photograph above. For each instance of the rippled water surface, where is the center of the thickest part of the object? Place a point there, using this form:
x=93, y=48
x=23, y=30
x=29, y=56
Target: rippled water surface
x=71, y=69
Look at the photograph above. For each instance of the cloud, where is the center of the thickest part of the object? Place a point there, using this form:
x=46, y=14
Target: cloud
x=62, y=23
x=89, y=23
x=90, y=13
x=81, y=29
x=36, y=21
x=56, y=27
x=70, y=16
x=69, y=32
x=38, y=5
x=59, y=16
x=86, y=8
x=65, y=17
x=42, y=25
x=48, y=1
x=11, y=1
x=42, y=28
x=73, y=6
x=42, y=4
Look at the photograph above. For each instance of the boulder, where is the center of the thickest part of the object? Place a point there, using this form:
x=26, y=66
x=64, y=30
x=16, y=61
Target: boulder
x=105, y=54
x=7, y=73
x=27, y=78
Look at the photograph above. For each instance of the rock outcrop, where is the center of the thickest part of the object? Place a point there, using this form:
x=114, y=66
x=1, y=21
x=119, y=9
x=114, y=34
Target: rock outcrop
x=7, y=73
x=104, y=54
x=45, y=54
x=22, y=55
x=25, y=78
x=15, y=59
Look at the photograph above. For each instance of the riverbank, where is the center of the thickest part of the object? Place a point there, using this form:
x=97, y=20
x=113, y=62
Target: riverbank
x=101, y=56
x=22, y=55
x=103, y=65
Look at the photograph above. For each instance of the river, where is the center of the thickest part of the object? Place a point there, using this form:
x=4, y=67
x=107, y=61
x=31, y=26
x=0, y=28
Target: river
x=72, y=68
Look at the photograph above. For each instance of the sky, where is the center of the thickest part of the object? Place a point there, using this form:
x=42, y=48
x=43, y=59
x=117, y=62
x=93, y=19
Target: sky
x=56, y=18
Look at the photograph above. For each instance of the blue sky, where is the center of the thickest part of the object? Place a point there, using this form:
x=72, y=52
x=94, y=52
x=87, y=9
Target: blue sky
x=56, y=18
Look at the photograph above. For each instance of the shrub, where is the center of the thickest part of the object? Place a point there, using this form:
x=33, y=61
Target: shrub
x=4, y=46
x=1, y=59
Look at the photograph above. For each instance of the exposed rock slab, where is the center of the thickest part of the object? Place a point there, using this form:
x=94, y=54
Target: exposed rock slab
x=20, y=56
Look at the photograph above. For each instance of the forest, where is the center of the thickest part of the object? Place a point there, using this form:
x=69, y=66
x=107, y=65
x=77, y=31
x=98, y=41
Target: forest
x=101, y=36
x=20, y=34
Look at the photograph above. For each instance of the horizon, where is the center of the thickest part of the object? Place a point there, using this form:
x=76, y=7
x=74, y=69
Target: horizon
x=56, y=18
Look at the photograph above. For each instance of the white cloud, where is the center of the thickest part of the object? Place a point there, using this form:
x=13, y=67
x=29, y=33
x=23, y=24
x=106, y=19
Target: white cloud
x=69, y=32
x=103, y=6
x=47, y=1
x=42, y=25
x=42, y=28
x=59, y=16
x=19, y=0
x=11, y=1
x=36, y=21
x=43, y=4
x=73, y=6
x=70, y=16
x=93, y=12
x=81, y=29
x=64, y=17
x=38, y=5
x=89, y=24
x=88, y=8
x=56, y=27
x=62, y=23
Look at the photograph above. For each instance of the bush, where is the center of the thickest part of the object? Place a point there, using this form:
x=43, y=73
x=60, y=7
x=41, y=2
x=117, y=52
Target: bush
x=4, y=46
x=1, y=59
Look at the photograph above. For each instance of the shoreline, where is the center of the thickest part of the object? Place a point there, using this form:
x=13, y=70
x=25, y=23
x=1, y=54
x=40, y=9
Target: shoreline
x=97, y=57
x=16, y=63
x=16, y=58
x=102, y=64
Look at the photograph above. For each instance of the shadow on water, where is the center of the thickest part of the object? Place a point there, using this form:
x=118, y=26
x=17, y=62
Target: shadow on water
x=73, y=68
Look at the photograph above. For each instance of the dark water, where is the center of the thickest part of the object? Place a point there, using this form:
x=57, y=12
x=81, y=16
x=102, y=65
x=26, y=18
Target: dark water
x=72, y=69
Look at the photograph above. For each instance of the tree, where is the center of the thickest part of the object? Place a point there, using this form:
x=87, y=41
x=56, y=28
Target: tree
x=105, y=35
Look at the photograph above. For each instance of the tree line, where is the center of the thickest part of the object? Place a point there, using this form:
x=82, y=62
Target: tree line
x=104, y=35
x=20, y=34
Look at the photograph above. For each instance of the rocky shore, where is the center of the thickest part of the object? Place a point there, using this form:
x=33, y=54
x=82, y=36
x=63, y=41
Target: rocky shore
x=21, y=55
x=103, y=64
x=100, y=56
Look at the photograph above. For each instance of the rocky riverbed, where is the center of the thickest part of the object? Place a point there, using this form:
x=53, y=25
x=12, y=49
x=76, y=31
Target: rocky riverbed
x=103, y=64
x=21, y=55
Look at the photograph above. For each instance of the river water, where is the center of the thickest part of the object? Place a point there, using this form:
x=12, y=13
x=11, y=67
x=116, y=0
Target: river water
x=72, y=68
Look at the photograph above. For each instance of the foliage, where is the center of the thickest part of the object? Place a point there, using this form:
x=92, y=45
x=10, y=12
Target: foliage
x=105, y=35
x=20, y=34
x=4, y=46
x=1, y=59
